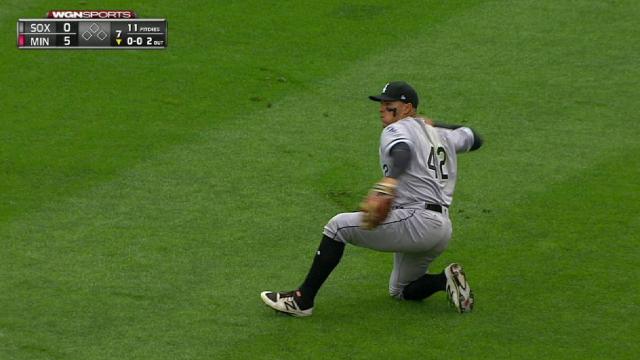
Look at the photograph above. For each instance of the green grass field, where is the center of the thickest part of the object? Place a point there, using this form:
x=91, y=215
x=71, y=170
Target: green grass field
x=147, y=197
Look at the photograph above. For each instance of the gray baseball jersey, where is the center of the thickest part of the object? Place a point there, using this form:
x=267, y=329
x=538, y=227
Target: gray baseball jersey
x=416, y=235
x=431, y=176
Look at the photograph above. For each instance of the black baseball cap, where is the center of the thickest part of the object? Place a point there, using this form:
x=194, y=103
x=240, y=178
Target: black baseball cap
x=398, y=91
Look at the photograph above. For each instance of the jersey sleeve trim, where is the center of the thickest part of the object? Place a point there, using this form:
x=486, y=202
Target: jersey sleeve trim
x=396, y=141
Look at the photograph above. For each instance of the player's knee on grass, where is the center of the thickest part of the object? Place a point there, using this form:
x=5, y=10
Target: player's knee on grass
x=409, y=292
x=396, y=292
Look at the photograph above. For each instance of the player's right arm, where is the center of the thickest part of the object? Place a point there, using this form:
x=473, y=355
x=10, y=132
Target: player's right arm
x=395, y=151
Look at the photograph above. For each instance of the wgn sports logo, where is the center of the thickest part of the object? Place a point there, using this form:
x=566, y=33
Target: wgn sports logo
x=91, y=14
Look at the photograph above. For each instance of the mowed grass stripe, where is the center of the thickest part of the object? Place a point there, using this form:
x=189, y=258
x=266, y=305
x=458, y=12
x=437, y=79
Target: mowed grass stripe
x=158, y=266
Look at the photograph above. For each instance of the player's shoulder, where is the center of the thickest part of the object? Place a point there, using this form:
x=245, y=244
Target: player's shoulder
x=393, y=129
x=391, y=132
x=394, y=133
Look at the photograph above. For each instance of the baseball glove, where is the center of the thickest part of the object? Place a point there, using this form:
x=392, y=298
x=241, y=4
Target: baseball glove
x=377, y=205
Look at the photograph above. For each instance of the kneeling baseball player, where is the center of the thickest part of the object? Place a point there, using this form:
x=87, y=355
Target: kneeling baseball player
x=406, y=213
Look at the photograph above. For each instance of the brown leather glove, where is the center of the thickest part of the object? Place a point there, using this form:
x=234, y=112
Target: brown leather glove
x=377, y=205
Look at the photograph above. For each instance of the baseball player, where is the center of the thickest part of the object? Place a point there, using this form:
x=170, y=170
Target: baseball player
x=406, y=213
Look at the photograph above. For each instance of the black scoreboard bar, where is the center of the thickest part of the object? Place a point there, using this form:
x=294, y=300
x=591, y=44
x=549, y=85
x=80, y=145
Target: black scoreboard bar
x=92, y=34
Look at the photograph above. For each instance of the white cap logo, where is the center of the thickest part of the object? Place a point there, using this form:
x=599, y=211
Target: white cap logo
x=384, y=89
x=403, y=97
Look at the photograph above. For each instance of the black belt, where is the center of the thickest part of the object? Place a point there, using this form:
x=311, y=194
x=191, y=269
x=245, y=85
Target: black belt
x=431, y=207
x=434, y=207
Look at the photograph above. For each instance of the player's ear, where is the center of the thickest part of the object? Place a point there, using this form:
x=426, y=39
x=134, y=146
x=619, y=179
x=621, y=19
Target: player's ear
x=414, y=110
x=407, y=109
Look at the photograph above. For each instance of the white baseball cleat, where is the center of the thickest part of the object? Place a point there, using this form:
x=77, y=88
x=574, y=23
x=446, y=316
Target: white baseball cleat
x=285, y=302
x=458, y=289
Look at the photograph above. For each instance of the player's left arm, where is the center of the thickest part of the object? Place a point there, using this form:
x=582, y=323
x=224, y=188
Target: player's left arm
x=461, y=130
x=477, y=139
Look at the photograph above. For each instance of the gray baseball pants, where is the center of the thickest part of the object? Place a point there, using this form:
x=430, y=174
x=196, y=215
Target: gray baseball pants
x=416, y=237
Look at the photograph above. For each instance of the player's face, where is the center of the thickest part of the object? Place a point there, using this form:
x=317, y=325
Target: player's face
x=392, y=111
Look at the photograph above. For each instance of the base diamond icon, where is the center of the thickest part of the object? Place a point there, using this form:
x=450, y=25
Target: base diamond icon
x=94, y=33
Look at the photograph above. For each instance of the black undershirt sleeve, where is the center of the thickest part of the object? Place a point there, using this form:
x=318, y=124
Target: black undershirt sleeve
x=400, y=154
x=446, y=126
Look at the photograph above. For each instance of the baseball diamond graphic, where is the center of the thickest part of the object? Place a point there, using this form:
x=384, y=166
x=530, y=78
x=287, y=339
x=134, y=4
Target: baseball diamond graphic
x=94, y=33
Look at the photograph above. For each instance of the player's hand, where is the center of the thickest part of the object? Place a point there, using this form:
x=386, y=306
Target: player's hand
x=377, y=205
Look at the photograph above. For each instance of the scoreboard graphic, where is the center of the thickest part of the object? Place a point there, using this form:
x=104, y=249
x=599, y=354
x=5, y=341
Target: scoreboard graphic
x=91, y=30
